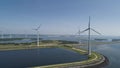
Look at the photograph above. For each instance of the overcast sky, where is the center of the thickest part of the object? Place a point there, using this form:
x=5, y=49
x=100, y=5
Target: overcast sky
x=59, y=16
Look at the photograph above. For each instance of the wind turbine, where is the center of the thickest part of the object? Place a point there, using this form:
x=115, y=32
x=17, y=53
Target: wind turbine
x=37, y=30
x=79, y=35
x=89, y=30
x=2, y=36
x=25, y=34
x=10, y=35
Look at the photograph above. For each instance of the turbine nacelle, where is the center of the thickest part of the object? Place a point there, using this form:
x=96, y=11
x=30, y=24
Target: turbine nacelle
x=37, y=28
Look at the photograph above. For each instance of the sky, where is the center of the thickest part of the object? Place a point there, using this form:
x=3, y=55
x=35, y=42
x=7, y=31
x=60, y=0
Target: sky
x=59, y=16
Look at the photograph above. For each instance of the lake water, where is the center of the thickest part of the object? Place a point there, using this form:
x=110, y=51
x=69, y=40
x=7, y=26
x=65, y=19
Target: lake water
x=38, y=57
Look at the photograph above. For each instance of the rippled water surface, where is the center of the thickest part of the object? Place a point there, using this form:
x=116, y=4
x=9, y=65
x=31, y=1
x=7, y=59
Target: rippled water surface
x=112, y=51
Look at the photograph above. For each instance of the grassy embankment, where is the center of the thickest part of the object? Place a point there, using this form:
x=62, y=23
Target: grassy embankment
x=44, y=43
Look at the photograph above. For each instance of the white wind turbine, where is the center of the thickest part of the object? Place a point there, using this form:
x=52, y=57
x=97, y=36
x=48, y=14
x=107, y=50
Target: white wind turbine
x=79, y=36
x=37, y=30
x=2, y=35
x=10, y=35
x=89, y=29
x=25, y=34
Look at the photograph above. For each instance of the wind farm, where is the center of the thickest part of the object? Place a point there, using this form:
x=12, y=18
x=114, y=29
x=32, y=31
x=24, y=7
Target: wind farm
x=92, y=59
x=25, y=43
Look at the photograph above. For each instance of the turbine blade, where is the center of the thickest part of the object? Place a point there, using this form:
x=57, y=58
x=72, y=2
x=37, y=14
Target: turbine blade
x=77, y=33
x=39, y=26
x=95, y=31
x=84, y=30
x=89, y=23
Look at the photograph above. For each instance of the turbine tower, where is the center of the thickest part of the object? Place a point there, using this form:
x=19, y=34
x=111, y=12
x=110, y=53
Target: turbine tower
x=37, y=30
x=89, y=30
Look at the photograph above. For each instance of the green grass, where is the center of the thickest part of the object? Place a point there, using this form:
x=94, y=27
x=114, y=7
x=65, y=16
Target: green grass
x=19, y=47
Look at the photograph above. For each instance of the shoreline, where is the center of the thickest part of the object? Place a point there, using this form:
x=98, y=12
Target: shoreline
x=96, y=60
x=104, y=64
